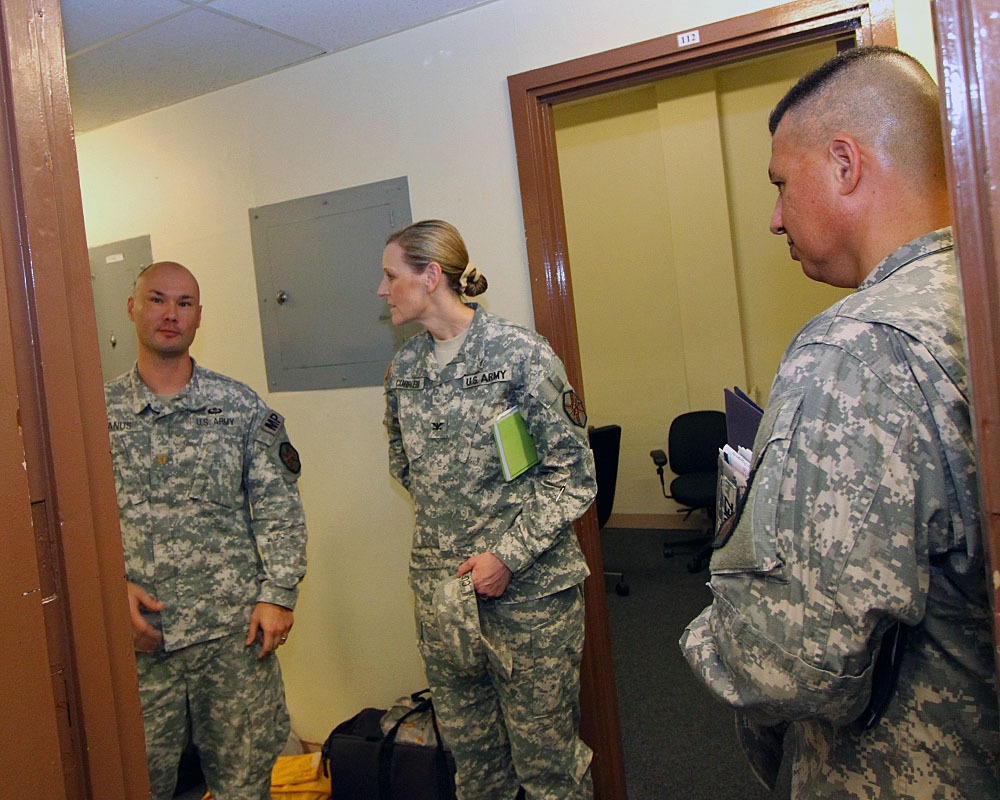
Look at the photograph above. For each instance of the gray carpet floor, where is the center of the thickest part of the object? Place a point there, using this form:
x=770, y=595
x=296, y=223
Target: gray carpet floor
x=678, y=741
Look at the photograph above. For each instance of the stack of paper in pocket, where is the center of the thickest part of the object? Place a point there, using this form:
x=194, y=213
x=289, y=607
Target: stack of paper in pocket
x=736, y=457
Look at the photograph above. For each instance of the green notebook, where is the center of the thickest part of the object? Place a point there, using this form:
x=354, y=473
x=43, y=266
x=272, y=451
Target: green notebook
x=515, y=446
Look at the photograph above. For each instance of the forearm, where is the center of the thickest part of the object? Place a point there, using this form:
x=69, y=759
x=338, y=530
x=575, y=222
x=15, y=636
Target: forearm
x=282, y=548
x=560, y=491
x=811, y=578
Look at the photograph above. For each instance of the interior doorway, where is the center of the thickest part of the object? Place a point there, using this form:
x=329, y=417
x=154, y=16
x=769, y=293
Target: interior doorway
x=679, y=287
x=533, y=97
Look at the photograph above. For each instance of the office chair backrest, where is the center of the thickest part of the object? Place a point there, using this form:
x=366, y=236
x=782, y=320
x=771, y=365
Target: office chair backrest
x=694, y=440
x=605, y=441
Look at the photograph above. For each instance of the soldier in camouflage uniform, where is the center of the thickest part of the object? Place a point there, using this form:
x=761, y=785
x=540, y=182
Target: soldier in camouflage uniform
x=512, y=717
x=851, y=612
x=214, y=539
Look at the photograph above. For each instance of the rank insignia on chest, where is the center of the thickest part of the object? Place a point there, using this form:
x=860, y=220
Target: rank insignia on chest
x=438, y=429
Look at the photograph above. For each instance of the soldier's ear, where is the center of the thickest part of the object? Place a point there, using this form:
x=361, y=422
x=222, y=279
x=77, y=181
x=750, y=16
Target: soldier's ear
x=845, y=158
x=432, y=276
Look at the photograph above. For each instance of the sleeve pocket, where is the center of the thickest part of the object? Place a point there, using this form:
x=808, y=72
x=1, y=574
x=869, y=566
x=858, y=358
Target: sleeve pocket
x=752, y=546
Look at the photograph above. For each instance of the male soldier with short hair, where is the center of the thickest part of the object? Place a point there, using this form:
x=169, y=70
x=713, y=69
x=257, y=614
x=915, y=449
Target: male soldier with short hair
x=850, y=594
x=214, y=538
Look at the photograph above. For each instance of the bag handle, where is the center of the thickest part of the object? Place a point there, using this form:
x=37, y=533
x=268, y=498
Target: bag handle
x=423, y=702
x=350, y=727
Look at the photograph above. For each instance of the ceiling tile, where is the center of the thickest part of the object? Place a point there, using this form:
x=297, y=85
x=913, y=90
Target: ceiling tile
x=353, y=22
x=127, y=57
x=188, y=55
x=86, y=23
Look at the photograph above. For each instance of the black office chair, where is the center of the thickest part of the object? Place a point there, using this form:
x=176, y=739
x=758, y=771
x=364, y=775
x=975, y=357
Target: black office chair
x=605, y=441
x=693, y=448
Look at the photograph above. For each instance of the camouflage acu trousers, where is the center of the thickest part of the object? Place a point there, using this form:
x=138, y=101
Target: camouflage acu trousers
x=521, y=729
x=230, y=704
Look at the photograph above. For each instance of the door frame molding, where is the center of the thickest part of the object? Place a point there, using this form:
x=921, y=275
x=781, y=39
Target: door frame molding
x=70, y=717
x=967, y=57
x=532, y=96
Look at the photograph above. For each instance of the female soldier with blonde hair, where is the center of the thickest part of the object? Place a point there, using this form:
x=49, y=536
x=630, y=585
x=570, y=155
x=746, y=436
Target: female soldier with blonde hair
x=509, y=708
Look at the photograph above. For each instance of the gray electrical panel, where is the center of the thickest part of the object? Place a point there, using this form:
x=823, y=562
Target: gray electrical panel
x=113, y=268
x=318, y=262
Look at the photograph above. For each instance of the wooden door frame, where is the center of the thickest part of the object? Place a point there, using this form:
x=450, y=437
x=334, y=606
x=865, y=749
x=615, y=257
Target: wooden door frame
x=532, y=96
x=967, y=58
x=69, y=710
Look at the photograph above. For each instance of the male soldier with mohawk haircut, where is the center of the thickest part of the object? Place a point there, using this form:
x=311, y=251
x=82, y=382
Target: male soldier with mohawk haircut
x=851, y=621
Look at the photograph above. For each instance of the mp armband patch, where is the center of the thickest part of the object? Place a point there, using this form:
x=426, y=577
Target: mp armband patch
x=268, y=430
x=551, y=389
x=573, y=406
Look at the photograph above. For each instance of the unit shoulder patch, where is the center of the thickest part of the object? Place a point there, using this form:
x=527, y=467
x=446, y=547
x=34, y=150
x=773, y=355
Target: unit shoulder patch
x=573, y=406
x=290, y=457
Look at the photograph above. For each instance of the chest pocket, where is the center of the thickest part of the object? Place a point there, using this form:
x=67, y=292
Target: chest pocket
x=449, y=423
x=753, y=546
x=131, y=458
x=217, y=477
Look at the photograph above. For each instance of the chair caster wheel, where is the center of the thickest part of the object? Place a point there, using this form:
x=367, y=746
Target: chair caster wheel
x=622, y=589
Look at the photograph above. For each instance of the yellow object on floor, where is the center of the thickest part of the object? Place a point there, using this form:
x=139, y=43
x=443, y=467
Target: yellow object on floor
x=297, y=778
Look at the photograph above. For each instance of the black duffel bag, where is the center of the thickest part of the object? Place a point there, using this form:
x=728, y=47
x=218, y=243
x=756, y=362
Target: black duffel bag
x=365, y=764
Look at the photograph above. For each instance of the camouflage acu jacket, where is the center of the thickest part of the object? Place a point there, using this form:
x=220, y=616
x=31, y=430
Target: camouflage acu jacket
x=208, y=503
x=864, y=510
x=441, y=449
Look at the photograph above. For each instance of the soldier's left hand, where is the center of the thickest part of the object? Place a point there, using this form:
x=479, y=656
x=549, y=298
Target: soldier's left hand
x=490, y=576
x=269, y=625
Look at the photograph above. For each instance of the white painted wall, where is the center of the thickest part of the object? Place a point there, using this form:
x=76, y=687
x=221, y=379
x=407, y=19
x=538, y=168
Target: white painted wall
x=430, y=103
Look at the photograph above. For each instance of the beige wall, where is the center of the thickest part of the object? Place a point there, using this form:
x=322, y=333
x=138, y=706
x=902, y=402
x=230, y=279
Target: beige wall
x=430, y=103
x=679, y=287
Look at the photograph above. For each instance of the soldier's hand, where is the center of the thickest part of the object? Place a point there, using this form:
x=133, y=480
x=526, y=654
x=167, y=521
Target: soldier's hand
x=269, y=625
x=145, y=637
x=490, y=576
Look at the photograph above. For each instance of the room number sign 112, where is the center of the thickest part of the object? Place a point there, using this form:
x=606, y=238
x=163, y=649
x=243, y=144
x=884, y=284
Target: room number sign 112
x=688, y=38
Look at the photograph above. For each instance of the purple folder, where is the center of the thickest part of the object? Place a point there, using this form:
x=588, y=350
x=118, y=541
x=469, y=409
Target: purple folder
x=742, y=418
